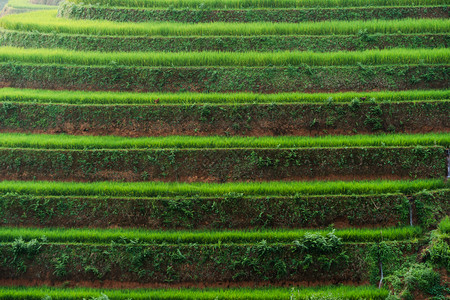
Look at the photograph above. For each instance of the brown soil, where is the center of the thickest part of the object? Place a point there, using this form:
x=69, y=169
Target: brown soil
x=134, y=285
x=130, y=177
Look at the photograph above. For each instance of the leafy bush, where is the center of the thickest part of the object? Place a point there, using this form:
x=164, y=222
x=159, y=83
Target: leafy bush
x=415, y=277
x=315, y=242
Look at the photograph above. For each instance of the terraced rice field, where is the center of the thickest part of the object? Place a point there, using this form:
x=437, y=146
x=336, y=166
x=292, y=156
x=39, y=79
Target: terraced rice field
x=233, y=149
x=21, y=6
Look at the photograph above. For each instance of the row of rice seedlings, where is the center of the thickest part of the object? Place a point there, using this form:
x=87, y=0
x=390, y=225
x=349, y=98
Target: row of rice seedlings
x=48, y=22
x=88, y=97
x=197, y=59
x=337, y=292
x=100, y=236
x=169, y=189
x=226, y=4
x=63, y=141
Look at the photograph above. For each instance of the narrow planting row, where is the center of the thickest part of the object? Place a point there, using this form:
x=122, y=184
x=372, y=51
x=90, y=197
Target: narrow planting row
x=173, y=189
x=140, y=236
x=347, y=292
x=120, y=98
x=205, y=59
x=43, y=141
x=48, y=22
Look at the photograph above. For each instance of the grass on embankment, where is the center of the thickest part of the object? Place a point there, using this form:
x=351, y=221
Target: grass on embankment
x=197, y=59
x=47, y=22
x=94, y=235
x=87, y=97
x=341, y=292
x=258, y=3
x=62, y=141
x=26, y=4
x=280, y=188
x=444, y=225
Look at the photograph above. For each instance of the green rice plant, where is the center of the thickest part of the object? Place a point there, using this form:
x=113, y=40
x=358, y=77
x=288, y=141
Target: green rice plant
x=258, y=3
x=46, y=21
x=101, y=236
x=195, y=59
x=87, y=97
x=62, y=141
x=272, y=188
x=341, y=292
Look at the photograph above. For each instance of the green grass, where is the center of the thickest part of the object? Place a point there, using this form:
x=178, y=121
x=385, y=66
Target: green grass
x=26, y=4
x=86, y=97
x=444, y=225
x=273, y=188
x=63, y=141
x=47, y=22
x=196, y=59
x=258, y=3
x=100, y=236
x=341, y=292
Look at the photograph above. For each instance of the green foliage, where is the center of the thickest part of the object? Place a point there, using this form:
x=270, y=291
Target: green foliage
x=387, y=255
x=232, y=211
x=444, y=225
x=61, y=266
x=30, y=248
x=22, y=251
x=318, y=243
x=124, y=14
x=219, y=79
x=258, y=3
x=415, y=276
x=439, y=252
x=259, y=43
x=178, y=165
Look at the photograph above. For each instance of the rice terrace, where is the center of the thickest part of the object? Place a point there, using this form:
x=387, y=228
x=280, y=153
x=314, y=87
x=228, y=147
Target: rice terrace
x=224, y=149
